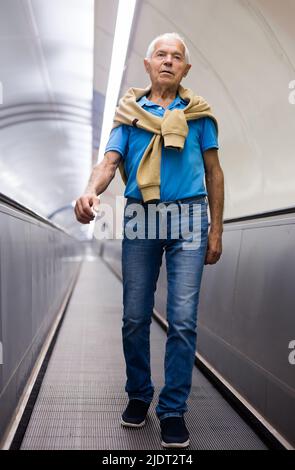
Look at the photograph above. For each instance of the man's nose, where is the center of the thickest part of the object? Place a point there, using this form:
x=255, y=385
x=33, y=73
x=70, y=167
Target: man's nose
x=168, y=60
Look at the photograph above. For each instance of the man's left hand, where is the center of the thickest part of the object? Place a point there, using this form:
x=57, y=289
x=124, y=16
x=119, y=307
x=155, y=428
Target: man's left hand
x=214, y=247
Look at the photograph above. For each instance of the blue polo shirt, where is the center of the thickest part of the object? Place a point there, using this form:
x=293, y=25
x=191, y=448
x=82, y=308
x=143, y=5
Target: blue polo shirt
x=182, y=173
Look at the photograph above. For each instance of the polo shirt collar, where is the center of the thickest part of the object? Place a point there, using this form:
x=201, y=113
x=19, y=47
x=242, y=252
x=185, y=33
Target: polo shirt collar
x=143, y=101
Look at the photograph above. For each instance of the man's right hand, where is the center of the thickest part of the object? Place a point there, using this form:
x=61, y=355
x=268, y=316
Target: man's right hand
x=84, y=208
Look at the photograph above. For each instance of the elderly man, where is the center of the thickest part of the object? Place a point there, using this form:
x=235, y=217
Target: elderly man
x=164, y=140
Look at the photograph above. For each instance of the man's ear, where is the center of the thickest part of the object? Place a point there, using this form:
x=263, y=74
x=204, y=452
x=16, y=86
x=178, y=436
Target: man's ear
x=187, y=70
x=146, y=65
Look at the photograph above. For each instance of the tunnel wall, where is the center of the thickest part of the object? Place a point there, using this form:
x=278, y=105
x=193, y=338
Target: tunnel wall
x=38, y=265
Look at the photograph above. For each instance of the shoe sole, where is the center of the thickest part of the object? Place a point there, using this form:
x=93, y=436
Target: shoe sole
x=132, y=425
x=175, y=444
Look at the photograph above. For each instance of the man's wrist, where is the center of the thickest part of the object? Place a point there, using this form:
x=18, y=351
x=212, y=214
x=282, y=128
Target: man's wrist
x=216, y=230
x=91, y=190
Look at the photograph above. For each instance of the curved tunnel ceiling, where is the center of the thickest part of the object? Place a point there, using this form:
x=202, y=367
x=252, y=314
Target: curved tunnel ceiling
x=46, y=70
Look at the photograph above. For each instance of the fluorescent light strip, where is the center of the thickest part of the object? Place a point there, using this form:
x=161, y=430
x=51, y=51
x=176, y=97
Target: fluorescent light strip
x=122, y=33
x=124, y=20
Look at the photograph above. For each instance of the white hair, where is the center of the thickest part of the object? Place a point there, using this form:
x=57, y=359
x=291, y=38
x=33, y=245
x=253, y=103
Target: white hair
x=152, y=45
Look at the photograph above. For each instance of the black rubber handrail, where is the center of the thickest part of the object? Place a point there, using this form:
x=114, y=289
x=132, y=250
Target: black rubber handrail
x=261, y=215
x=25, y=210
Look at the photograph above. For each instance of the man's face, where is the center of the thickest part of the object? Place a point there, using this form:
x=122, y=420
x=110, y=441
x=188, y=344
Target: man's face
x=167, y=65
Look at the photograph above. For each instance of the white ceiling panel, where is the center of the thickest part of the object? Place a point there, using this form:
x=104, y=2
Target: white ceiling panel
x=13, y=19
x=21, y=74
x=71, y=21
x=105, y=15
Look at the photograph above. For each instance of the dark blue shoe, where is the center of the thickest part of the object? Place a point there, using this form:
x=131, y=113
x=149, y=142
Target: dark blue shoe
x=135, y=414
x=174, y=432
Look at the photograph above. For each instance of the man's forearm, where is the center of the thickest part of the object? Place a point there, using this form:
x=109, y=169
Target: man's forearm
x=215, y=189
x=100, y=178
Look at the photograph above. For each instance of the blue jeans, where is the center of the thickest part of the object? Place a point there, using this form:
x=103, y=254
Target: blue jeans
x=185, y=249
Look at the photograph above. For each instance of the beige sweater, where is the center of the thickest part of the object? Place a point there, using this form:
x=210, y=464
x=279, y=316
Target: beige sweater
x=171, y=130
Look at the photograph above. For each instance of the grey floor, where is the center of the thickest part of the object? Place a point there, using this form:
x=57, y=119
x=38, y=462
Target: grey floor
x=82, y=395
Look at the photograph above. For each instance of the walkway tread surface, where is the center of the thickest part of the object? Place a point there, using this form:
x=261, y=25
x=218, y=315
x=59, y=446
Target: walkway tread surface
x=82, y=396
